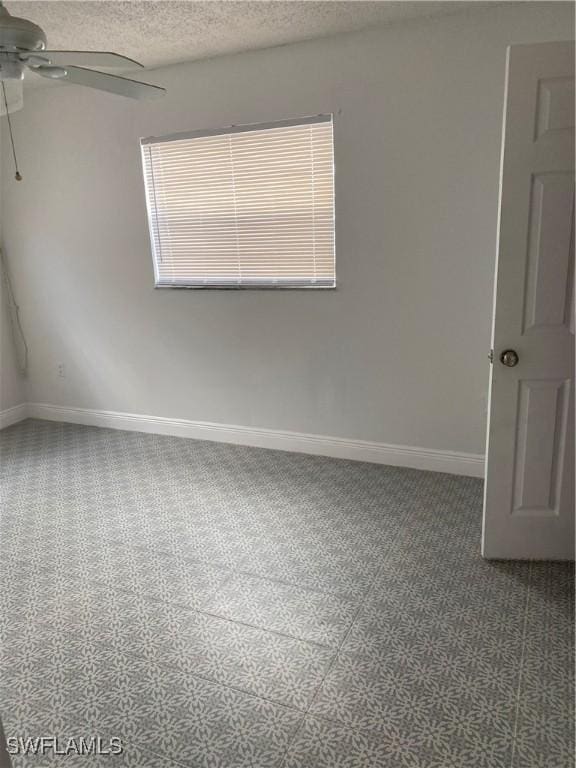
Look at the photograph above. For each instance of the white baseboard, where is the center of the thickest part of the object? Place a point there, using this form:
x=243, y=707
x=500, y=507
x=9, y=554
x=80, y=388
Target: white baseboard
x=13, y=415
x=337, y=447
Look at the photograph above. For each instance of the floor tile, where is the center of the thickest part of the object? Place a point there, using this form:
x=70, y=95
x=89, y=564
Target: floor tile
x=171, y=579
x=44, y=600
x=436, y=660
x=80, y=752
x=545, y=728
x=152, y=576
x=439, y=698
x=276, y=667
x=319, y=744
x=194, y=721
x=203, y=724
x=461, y=587
x=191, y=720
x=347, y=575
x=300, y=613
x=405, y=636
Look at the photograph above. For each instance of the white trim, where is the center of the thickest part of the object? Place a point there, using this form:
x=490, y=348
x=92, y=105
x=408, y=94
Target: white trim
x=454, y=462
x=13, y=415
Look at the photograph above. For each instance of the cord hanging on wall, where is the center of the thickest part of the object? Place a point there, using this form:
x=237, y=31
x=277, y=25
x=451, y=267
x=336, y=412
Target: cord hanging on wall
x=20, y=345
x=17, y=175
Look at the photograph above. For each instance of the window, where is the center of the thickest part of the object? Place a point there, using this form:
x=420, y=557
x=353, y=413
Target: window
x=249, y=206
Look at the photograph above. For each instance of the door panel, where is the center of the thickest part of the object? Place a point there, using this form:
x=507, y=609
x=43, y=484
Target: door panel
x=529, y=489
x=548, y=284
x=542, y=428
x=555, y=105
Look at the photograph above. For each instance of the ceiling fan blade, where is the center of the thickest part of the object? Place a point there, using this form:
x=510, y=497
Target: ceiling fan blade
x=85, y=58
x=102, y=81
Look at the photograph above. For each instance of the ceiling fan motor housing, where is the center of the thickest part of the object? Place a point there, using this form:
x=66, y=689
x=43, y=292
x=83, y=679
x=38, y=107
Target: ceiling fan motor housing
x=19, y=34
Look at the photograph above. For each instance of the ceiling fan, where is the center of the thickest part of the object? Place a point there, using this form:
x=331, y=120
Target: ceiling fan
x=23, y=48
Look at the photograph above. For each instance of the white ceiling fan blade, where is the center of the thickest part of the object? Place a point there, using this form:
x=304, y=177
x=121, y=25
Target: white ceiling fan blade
x=14, y=96
x=102, y=81
x=86, y=59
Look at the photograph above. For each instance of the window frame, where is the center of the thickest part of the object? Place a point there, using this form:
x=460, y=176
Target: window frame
x=227, y=130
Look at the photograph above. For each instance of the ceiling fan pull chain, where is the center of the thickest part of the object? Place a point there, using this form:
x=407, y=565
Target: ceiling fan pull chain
x=17, y=175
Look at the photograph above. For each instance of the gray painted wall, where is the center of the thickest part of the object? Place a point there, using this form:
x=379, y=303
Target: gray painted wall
x=398, y=353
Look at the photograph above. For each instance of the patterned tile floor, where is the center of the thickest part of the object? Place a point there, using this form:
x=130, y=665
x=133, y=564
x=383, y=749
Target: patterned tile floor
x=223, y=607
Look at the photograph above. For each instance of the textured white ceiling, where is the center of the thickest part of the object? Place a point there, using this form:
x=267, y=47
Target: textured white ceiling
x=158, y=33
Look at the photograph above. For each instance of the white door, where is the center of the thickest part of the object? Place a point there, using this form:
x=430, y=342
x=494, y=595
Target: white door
x=529, y=490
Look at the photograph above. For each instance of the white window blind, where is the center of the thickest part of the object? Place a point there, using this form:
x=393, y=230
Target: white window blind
x=249, y=206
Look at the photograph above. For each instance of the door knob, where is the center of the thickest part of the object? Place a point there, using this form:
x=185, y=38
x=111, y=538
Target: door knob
x=509, y=357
